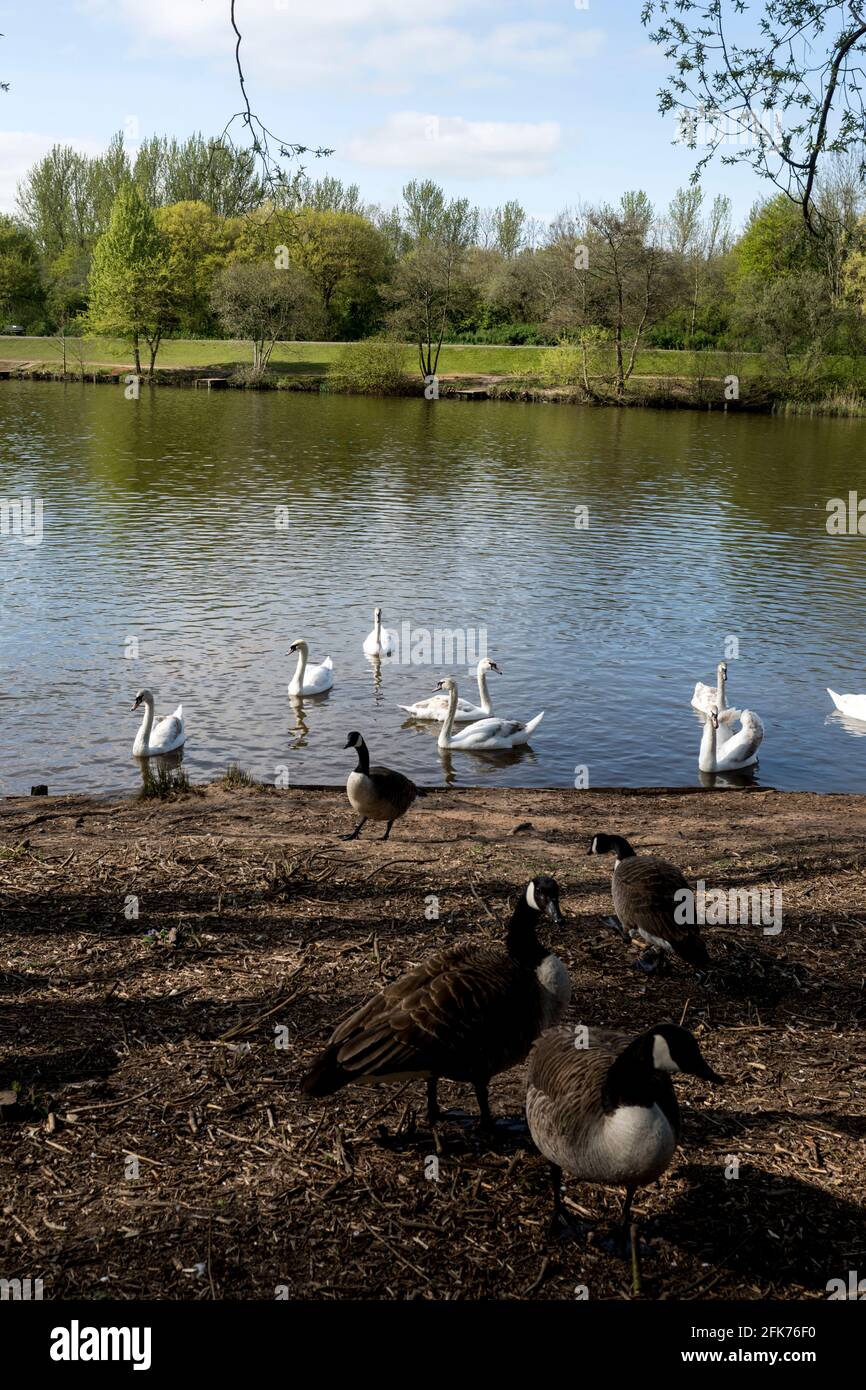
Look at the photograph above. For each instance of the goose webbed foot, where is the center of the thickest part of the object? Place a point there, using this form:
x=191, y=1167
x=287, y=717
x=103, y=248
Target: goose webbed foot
x=616, y=925
x=652, y=962
x=561, y=1225
x=387, y=830
x=356, y=832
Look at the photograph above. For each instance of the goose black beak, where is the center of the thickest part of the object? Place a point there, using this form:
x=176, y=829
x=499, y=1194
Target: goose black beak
x=554, y=913
x=706, y=1073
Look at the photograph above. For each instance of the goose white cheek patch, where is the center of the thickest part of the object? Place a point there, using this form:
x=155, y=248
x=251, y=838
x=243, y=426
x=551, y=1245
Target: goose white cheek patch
x=530, y=896
x=662, y=1059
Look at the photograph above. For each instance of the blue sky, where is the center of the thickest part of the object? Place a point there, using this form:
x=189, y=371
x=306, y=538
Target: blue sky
x=537, y=100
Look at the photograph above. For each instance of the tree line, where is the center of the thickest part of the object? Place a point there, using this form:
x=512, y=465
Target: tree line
x=183, y=239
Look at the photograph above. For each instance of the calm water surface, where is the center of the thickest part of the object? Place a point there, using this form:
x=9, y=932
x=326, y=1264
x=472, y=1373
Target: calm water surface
x=159, y=525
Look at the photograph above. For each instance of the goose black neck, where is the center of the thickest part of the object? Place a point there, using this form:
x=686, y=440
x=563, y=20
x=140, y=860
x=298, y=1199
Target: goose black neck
x=631, y=1079
x=522, y=940
x=621, y=847
x=363, y=757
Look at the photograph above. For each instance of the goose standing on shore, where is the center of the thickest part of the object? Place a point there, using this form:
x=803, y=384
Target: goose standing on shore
x=465, y=1014
x=738, y=752
x=376, y=793
x=651, y=898
x=164, y=736
x=607, y=1113
x=379, y=642
x=309, y=678
x=852, y=705
x=436, y=707
x=483, y=734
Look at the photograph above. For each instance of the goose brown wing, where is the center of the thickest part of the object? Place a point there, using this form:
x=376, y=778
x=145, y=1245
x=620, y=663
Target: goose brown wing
x=394, y=787
x=455, y=1007
x=646, y=894
x=565, y=1082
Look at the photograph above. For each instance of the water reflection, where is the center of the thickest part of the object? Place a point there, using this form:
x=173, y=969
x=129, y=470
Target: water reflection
x=701, y=525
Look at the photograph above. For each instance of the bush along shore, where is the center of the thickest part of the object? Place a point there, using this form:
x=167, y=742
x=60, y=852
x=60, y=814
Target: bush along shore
x=730, y=392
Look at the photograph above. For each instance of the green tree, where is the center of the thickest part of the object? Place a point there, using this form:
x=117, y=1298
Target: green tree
x=262, y=304
x=779, y=85
x=21, y=294
x=346, y=258
x=198, y=242
x=130, y=288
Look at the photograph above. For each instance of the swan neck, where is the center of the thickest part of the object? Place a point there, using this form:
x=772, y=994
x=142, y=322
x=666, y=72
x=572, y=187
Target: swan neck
x=708, y=747
x=302, y=665
x=482, y=691
x=445, y=735
x=146, y=723
x=720, y=689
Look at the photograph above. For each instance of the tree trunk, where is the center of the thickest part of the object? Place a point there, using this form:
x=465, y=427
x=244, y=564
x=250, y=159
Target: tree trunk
x=136, y=354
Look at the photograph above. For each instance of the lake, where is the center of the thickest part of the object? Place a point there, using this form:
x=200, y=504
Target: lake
x=206, y=531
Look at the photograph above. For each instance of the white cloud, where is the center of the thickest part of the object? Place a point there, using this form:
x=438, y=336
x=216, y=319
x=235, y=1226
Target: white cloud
x=361, y=43
x=452, y=145
x=19, y=149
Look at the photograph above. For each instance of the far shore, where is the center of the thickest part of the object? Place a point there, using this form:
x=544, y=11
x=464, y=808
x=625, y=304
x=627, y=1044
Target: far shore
x=664, y=379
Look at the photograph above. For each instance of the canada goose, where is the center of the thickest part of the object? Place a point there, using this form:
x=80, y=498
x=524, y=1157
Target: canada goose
x=483, y=734
x=466, y=1013
x=379, y=642
x=852, y=705
x=738, y=752
x=607, y=1113
x=652, y=898
x=310, y=679
x=152, y=739
x=376, y=793
x=436, y=707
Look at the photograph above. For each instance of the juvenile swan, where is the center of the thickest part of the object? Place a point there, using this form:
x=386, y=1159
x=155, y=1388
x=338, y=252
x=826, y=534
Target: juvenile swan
x=162, y=737
x=309, y=678
x=484, y=733
x=466, y=1013
x=436, y=707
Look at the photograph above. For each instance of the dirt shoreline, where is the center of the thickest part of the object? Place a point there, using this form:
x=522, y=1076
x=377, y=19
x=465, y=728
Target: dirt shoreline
x=147, y=1045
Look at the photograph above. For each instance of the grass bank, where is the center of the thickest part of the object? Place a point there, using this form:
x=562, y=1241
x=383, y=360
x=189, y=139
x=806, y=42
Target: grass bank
x=663, y=378
x=155, y=1037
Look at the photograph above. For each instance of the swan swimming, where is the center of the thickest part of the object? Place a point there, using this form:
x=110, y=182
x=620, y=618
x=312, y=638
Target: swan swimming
x=741, y=749
x=852, y=705
x=164, y=737
x=706, y=696
x=310, y=679
x=483, y=733
x=379, y=642
x=436, y=707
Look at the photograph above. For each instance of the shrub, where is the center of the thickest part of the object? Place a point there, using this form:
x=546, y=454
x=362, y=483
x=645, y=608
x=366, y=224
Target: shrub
x=371, y=367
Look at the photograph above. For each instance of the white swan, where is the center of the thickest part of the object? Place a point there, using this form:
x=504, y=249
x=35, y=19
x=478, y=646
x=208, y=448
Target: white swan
x=740, y=751
x=310, y=679
x=706, y=696
x=437, y=705
x=379, y=642
x=163, y=737
x=852, y=705
x=484, y=733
